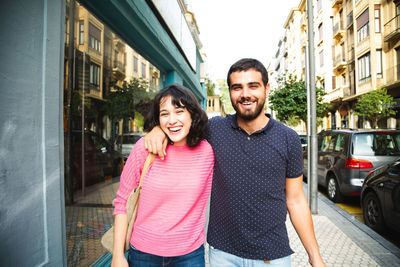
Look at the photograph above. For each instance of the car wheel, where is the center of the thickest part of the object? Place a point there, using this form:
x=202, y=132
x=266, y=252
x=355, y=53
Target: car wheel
x=372, y=212
x=333, y=190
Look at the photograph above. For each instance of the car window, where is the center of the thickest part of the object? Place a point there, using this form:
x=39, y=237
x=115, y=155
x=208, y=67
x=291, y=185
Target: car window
x=328, y=143
x=130, y=139
x=99, y=142
x=376, y=144
x=385, y=144
x=339, y=144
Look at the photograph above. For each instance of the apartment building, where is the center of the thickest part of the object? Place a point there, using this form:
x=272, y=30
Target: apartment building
x=390, y=25
x=357, y=50
x=102, y=61
x=294, y=45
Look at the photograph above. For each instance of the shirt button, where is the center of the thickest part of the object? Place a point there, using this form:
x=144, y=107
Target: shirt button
x=248, y=137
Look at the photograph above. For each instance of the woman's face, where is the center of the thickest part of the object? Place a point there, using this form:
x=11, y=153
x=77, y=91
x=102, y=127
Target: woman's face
x=174, y=121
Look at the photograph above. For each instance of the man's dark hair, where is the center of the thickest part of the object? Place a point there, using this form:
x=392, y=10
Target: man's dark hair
x=181, y=97
x=245, y=64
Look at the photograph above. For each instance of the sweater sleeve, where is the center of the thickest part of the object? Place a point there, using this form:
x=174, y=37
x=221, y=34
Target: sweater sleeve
x=130, y=176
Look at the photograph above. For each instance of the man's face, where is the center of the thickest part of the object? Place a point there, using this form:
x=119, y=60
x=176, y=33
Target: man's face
x=248, y=93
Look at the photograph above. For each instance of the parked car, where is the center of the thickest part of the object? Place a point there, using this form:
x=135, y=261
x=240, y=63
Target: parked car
x=346, y=156
x=124, y=143
x=380, y=197
x=101, y=160
x=303, y=140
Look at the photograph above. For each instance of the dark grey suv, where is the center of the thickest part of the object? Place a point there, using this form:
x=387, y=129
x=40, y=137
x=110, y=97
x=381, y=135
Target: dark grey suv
x=346, y=156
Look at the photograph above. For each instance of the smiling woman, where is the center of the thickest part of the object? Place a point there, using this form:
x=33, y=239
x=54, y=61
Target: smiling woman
x=175, y=121
x=170, y=223
x=176, y=110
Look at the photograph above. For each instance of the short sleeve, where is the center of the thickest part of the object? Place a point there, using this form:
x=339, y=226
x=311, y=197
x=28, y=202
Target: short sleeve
x=295, y=156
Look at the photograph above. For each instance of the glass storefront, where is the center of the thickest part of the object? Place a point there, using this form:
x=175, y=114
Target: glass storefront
x=107, y=91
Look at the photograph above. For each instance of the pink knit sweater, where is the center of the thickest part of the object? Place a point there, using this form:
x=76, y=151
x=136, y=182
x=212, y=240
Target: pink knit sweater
x=171, y=216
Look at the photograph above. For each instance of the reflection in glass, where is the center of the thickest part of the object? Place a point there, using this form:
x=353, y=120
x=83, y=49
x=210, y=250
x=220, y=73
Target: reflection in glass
x=105, y=97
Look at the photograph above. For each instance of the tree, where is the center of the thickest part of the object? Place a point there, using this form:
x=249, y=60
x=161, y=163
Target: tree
x=210, y=86
x=290, y=100
x=226, y=99
x=122, y=102
x=375, y=105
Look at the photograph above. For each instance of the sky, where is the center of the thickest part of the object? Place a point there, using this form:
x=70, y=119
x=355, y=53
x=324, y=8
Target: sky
x=234, y=29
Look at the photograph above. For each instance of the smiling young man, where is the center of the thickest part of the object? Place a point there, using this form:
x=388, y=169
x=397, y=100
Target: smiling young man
x=257, y=179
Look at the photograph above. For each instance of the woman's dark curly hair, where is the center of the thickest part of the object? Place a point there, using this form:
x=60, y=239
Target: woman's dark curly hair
x=181, y=97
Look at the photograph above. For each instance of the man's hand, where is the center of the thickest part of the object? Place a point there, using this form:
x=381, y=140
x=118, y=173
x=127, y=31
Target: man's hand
x=317, y=262
x=156, y=142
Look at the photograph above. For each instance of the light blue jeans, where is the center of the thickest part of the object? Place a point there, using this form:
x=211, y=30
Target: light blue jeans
x=219, y=258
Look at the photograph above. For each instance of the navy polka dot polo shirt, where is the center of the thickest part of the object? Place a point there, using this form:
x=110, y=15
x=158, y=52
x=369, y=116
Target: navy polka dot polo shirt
x=248, y=201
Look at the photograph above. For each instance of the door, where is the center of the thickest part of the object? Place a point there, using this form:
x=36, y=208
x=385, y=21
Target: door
x=391, y=189
x=325, y=156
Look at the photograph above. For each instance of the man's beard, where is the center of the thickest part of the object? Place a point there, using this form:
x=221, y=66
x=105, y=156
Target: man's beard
x=250, y=115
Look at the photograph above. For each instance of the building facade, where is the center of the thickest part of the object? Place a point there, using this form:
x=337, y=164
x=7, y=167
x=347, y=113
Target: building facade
x=61, y=63
x=356, y=45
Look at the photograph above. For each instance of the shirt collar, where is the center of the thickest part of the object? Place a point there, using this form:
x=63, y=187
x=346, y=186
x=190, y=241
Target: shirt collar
x=235, y=125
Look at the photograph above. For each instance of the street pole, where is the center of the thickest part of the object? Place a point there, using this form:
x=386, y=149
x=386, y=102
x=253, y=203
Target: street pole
x=312, y=120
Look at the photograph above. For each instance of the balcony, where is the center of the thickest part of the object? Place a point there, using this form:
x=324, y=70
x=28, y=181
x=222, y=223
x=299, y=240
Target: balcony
x=338, y=31
x=349, y=19
x=350, y=55
x=392, y=76
x=118, y=70
x=337, y=3
x=392, y=29
x=349, y=91
x=339, y=64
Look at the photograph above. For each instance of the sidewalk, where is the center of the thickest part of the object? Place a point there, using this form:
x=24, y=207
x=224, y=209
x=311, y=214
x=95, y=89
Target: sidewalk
x=343, y=240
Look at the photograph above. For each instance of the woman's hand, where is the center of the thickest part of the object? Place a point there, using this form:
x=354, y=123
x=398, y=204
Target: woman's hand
x=119, y=261
x=156, y=142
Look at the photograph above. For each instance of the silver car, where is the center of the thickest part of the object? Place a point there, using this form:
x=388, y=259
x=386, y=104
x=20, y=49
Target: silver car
x=346, y=156
x=124, y=143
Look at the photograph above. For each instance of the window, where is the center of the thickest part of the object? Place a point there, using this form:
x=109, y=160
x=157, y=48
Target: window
x=327, y=144
x=333, y=120
x=363, y=26
x=143, y=70
x=135, y=64
x=321, y=58
x=94, y=78
x=364, y=68
x=341, y=24
x=321, y=36
x=345, y=121
x=340, y=143
x=344, y=79
x=94, y=37
x=377, y=18
x=81, y=32
x=333, y=82
x=379, y=63
x=343, y=52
